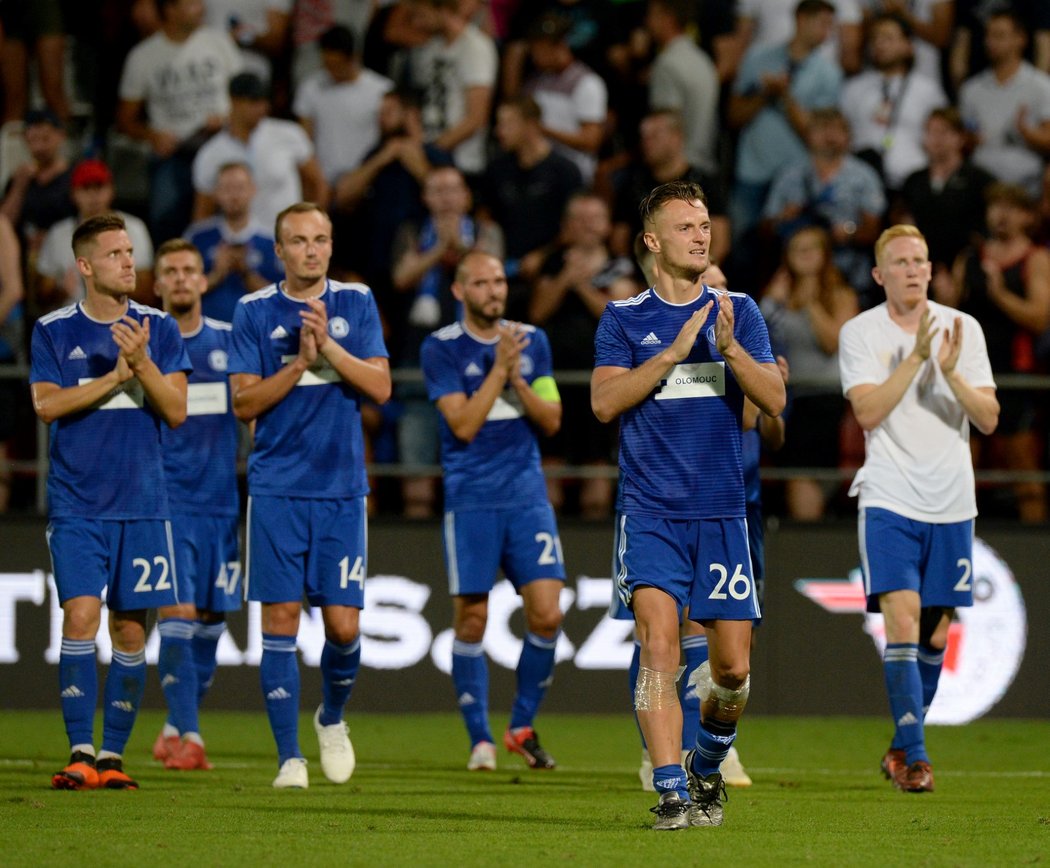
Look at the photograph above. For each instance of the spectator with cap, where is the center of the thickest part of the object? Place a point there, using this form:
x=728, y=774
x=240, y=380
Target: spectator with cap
x=237, y=251
x=572, y=96
x=58, y=282
x=279, y=152
x=339, y=104
x=178, y=78
x=37, y=195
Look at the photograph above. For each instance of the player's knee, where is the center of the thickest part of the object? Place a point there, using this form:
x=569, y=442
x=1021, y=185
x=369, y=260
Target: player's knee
x=129, y=636
x=470, y=628
x=80, y=625
x=545, y=621
x=662, y=651
x=731, y=675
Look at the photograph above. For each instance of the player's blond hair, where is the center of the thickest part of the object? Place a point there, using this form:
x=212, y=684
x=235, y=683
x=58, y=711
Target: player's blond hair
x=901, y=230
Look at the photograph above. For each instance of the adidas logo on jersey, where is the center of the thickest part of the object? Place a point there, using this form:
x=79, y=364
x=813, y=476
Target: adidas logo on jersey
x=77, y=354
x=473, y=370
x=278, y=333
x=279, y=693
x=466, y=698
x=907, y=719
x=72, y=692
x=650, y=340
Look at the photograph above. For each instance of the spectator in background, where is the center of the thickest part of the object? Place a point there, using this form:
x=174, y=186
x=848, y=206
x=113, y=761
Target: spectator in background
x=946, y=199
x=525, y=188
x=835, y=190
x=38, y=194
x=684, y=78
x=33, y=27
x=772, y=22
x=662, y=160
x=1008, y=107
x=887, y=105
x=12, y=347
x=237, y=251
x=179, y=76
x=576, y=281
x=572, y=97
x=455, y=70
x=279, y=152
x=425, y=257
x=1004, y=282
x=58, y=280
x=805, y=304
x=259, y=27
x=967, y=54
x=930, y=22
x=339, y=105
x=777, y=88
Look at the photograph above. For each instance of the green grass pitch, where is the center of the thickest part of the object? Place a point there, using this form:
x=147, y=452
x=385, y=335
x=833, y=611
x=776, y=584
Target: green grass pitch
x=818, y=799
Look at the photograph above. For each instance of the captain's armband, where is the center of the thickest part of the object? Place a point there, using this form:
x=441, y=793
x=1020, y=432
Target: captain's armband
x=546, y=388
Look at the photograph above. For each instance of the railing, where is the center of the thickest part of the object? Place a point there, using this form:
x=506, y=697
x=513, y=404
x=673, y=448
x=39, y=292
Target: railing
x=38, y=467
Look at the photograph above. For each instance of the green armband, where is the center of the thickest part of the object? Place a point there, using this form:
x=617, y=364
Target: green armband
x=546, y=388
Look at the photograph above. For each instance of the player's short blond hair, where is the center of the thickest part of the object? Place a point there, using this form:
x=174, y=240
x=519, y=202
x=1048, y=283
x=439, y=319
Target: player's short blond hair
x=901, y=230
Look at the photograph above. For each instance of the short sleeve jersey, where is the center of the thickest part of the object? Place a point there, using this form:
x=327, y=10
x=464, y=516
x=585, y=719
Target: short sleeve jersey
x=310, y=443
x=200, y=456
x=917, y=460
x=105, y=461
x=500, y=467
x=680, y=447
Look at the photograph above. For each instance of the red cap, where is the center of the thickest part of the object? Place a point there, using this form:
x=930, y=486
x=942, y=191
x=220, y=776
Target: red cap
x=89, y=173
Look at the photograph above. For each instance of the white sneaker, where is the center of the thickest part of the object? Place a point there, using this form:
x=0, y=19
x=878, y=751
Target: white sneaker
x=292, y=775
x=482, y=757
x=733, y=772
x=645, y=772
x=337, y=754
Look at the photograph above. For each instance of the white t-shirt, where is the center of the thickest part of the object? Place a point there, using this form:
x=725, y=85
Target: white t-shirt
x=917, y=460
x=181, y=83
x=567, y=100
x=445, y=72
x=345, y=117
x=274, y=151
x=56, y=259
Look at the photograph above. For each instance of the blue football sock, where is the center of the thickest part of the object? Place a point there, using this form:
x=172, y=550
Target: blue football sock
x=470, y=676
x=632, y=682
x=205, y=650
x=694, y=649
x=178, y=675
x=279, y=677
x=535, y=673
x=78, y=685
x=713, y=740
x=339, y=665
x=931, y=661
x=668, y=778
x=123, y=695
x=904, y=687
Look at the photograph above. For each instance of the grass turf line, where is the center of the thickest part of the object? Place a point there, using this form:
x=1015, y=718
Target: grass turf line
x=818, y=799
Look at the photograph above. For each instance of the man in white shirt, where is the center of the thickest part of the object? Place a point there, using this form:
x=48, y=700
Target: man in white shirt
x=279, y=153
x=917, y=375
x=339, y=104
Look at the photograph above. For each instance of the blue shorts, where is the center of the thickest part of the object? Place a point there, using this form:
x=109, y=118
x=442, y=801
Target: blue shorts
x=303, y=546
x=898, y=553
x=524, y=543
x=701, y=563
x=206, y=554
x=132, y=560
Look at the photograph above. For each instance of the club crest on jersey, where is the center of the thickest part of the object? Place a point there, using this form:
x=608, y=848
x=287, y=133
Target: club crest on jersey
x=711, y=339
x=338, y=327
x=218, y=360
x=527, y=366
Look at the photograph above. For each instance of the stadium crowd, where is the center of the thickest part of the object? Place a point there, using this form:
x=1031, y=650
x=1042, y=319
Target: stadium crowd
x=531, y=131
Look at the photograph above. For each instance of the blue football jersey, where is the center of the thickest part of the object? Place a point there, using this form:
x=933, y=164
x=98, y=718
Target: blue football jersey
x=310, y=444
x=501, y=466
x=106, y=461
x=680, y=447
x=200, y=456
x=751, y=455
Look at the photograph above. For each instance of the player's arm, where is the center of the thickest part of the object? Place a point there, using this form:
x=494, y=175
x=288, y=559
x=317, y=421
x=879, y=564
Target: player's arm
x=52, y=401
x=541, y=402
x=371, y=376
x=614, y=390
x=979, y=403
x=165, y=392
x=252, y=395
x=763, y=383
